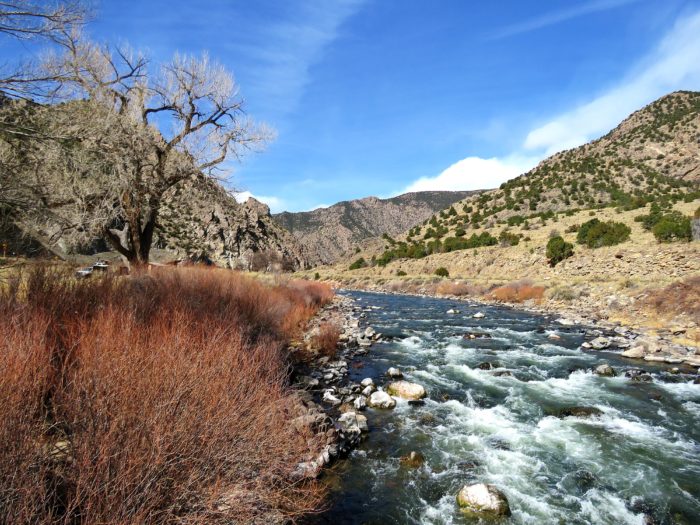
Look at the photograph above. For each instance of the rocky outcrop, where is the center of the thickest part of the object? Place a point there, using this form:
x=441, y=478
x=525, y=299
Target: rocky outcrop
x=329, y=233
x=200, y=219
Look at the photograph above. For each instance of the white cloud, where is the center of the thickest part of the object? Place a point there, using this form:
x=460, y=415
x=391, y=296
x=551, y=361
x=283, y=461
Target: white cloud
x=673, y=65
x=474, y=173
x=275, y=203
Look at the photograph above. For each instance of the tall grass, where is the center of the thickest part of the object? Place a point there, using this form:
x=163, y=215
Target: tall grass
x=158, y=398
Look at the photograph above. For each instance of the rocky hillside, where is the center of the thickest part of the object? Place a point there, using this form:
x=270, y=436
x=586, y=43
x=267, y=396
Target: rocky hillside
x=202, y=220
x=329, y=233
x=653, y=155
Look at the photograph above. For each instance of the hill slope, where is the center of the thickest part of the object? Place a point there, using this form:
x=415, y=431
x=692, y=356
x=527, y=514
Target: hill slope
x=328, y=233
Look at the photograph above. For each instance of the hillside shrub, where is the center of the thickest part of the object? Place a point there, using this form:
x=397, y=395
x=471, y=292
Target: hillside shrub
x=507, y=238
x=558, y=250
x=359, y=263
x=401, y=273
x=442, y=272
x=672, y=227
x=595, y=233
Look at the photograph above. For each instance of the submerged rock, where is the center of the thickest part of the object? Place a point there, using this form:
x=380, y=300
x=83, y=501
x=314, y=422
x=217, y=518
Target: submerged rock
x=381, y=399
x=639, y=375
x=579, y=412
x=605, y=370
x=413, y=459
x=406, y=390
x=483, y=500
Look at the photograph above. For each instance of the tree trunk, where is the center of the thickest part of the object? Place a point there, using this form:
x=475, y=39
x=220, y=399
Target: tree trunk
x=134, y=241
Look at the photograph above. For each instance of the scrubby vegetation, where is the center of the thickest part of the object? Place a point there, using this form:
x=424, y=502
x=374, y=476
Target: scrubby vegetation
x=558, y=250
x=672, y=227
x=158, y=398
x=442, y=272
x=595, y=233
x=358, y=263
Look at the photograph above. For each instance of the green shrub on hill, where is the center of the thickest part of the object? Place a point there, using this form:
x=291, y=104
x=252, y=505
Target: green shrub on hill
x=558, y=250
x=442, y=272
x=359, y=263
x=507, y=238
x=672, y=227
x=595, y=233
x=401, y=273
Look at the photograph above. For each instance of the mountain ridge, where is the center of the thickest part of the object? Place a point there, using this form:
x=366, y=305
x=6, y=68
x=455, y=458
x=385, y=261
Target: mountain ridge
x=329, y=233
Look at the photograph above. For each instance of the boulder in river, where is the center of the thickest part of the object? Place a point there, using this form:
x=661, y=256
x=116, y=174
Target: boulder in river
x=479, y=315
x=600, y=343
x=605, y=370
x=483, y=500
x=360, y=403
x=406, y=390
x=394, y=373
x=380, y=399
x=452, y=311
x=636, y=352
x=367, y=381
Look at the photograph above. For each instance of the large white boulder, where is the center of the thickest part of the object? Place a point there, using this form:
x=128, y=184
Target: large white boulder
x=406, y=390
x=381, y=399
x=483, y=499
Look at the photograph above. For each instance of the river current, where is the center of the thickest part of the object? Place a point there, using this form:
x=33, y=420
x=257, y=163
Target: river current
x=635, y=461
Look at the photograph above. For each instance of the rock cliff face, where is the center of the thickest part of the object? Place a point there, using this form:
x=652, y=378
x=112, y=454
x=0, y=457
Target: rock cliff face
x=202, y=220
x=329, y=233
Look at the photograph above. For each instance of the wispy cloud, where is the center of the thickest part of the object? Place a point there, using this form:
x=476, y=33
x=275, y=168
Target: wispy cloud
x=673, y=65
x=557, y=17
x=285, y=51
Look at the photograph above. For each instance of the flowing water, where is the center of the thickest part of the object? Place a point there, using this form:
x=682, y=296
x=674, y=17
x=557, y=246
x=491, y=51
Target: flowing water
x=637, y=460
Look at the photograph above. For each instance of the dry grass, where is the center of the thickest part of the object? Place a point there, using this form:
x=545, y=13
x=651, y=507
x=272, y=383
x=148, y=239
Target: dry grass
x=326, y=340
x=459, y=289
x=158, y=398
x=680, y=298
x=517, y=292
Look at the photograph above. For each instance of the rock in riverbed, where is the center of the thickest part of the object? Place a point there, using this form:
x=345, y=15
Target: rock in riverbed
x=406, y=390
x=600, y=343
x=394, y=373
x=381, y=399
x=605, y=370
x=483, y=500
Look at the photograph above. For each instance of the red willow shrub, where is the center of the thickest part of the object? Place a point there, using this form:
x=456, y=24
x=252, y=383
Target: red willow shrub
x=326, y=340
x=159, y=398
x=517, y=292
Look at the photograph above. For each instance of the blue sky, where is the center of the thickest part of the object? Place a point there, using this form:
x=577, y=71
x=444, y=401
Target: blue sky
x=376, y=97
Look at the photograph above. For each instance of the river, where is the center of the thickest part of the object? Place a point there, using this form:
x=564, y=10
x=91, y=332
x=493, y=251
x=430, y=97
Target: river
x=636, y=460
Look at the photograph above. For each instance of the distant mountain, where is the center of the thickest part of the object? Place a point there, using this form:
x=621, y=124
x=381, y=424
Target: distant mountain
x=329, y=233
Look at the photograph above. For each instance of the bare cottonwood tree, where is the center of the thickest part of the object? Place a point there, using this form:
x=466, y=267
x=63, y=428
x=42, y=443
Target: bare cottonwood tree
x=142, y=132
